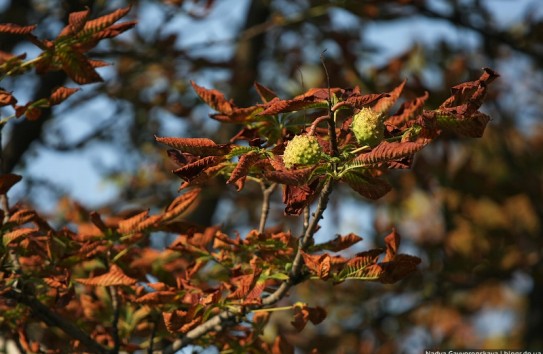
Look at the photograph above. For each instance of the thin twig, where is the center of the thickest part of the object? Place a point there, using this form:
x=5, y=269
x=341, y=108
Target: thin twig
x=266, y=192
x=307, y=212
x=215, y=323
x=4, y=202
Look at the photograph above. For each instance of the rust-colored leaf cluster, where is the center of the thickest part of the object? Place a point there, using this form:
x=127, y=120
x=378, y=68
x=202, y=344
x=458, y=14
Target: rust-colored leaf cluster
x=265, y=135
x=67, y=52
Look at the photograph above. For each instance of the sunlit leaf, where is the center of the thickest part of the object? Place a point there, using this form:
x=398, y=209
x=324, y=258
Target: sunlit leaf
x=12, y=28
x=115, y=276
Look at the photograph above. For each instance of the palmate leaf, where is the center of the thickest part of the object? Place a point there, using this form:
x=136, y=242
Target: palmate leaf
x=367, y=185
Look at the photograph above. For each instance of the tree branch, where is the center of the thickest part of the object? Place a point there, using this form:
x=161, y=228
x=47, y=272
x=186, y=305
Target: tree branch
x=266, y=192
x=45, y=314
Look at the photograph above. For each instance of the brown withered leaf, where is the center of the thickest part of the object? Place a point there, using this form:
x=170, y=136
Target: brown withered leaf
x=392, y=241
x=366, y=185
x=6, y=98
x=297, y=198
x=181, y=204
x=180, y=321
x=339, y=243
x=100, y=23
x=192, y=170
x=8, y=180
x=245, y=284
x=214, y=99
x=157, y=297
x=359, y=101
x=239, y=115
x=384, y=104
x=111, y=31
x=362, y=266
x=459, y=113
x=131, y=224
x=244, y=164
x=295, y=177
x=23, y=216
x=77, y=66
x=320, y=265
x=204, y=175
x=401, y=266
x=196, y=146
x=304, y=313
x=313, y=98
x=454, y=120
x=60, y=94
x=115, y=276
x=17, y=234
x=265, y=93
x=12, y=28
x=471, y=93
x=76, y=22
x=408, y=111
x=386, y=151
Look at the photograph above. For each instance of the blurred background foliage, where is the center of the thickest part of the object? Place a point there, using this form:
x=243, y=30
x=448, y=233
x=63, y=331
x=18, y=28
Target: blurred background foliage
x=472, y=209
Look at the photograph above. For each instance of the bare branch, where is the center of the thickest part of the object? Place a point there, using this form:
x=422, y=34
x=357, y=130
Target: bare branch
x=267, y=192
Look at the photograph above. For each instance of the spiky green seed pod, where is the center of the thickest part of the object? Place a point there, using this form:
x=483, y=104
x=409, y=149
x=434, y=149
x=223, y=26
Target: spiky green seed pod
x=302, y=150
x=368, y=127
